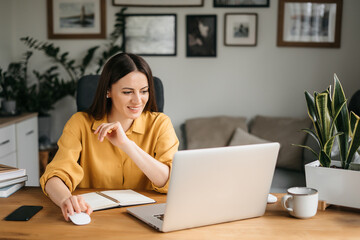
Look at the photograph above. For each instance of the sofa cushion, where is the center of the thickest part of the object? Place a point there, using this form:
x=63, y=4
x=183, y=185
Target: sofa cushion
x=212, y=131
x=286, y=131
x=242, y=137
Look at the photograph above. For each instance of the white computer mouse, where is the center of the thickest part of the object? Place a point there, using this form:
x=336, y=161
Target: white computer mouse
x=271, y=198
x=80, y=218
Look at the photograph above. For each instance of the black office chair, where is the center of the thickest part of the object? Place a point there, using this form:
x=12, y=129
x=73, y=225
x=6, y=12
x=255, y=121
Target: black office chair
x=354, y=104
x=87, y=85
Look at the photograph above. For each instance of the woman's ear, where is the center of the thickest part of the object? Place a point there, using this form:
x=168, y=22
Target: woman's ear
x=108, y=94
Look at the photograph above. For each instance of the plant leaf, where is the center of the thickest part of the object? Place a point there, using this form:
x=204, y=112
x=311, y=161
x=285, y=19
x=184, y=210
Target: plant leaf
x=355, y=137
x=342, y=122
x=324, y=159
x=321, y=104
x=312, y=134
x=308, y=148
x=329, y=144
x=310, y=106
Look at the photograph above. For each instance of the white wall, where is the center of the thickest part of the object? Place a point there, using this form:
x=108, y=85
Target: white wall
x=5, y=39
x=242, y=81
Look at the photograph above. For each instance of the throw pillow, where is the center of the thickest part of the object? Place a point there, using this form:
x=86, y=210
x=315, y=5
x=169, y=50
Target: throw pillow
x=242, y=137
x=286, y=131
x=212, y=131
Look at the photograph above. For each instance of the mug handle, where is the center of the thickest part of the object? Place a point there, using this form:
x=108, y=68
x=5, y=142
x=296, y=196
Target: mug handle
x=284, y=201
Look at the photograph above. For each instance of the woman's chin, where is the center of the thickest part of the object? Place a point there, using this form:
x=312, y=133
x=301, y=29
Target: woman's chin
x=134, y=115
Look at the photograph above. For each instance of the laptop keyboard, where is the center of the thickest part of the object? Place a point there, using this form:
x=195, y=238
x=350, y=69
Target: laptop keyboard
x=159, y=216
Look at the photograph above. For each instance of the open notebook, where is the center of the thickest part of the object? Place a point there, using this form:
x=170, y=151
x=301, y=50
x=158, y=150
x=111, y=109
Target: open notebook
x=115, y=198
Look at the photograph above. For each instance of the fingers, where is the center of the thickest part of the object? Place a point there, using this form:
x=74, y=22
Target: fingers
x=74, y=204
x=106, y=128
x=88, y=209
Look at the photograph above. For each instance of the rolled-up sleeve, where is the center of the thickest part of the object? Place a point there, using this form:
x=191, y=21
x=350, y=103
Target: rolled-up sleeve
x=65, y=163
x=166, y=146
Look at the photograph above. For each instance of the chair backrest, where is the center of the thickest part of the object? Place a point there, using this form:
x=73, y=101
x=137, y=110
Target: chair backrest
x=87, y=85
x=354, y=104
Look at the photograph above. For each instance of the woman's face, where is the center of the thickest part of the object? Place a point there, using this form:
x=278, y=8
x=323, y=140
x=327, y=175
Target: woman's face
x=129, y=95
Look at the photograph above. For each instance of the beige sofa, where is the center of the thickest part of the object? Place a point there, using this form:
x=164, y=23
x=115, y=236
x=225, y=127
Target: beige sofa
x=219, y=131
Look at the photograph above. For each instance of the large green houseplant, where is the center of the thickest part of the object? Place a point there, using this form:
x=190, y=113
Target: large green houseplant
x=54, y=84
x=332, y=120
x=13, y=85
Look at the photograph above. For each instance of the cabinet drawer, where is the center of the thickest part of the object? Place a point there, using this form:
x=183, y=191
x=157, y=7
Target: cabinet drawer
x=9, y=160
x=7, y=140
x=28, y=149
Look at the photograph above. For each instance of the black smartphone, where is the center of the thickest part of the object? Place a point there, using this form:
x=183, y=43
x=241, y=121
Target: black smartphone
x=23, y=213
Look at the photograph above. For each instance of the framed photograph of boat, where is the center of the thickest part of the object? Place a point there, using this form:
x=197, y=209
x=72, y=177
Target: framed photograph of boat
x=69, y=19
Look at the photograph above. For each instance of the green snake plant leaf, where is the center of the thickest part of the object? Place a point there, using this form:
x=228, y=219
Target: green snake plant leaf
x=324, y=159
x=342, y=122
x=321, y=104
x=310, y=106
x=308, y=148
x=336, y=115
x=312, y=134
x=355, y=137
x=329, y=144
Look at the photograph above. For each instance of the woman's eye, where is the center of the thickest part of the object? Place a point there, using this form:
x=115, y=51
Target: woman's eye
x=127, y=92
x=145, y=91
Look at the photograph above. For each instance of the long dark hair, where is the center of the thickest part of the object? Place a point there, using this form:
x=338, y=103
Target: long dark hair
x=116, y=68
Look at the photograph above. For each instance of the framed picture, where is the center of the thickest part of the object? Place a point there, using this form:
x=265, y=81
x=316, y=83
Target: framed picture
x=159, y=3
x=240, y=29
x=76, y=19
x=309, y=23
x=201, y=35
x=150, y=34
x=241, y=3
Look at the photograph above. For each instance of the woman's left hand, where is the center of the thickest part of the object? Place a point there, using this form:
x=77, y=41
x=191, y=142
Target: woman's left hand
x=113, y=132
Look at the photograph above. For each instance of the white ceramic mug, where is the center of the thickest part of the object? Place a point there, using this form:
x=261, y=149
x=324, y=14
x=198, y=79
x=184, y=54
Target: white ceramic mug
x=301, y=202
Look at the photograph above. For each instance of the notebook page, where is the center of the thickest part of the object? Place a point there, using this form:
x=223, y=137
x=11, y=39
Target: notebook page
x=128, y=197
x=97, y=201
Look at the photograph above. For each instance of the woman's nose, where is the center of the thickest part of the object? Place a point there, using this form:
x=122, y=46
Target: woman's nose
x=136, y=98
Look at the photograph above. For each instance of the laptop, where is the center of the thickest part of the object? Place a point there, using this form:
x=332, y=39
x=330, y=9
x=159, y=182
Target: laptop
x=214, y=185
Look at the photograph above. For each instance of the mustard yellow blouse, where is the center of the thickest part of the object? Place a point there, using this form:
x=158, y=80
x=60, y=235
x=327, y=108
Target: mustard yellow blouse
x=85, y=162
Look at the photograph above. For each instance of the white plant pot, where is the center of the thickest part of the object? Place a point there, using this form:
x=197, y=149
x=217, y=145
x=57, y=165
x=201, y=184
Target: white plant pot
x=335, y=186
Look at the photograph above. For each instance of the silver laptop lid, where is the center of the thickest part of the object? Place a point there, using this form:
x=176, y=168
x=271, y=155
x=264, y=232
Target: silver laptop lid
x=215, y=185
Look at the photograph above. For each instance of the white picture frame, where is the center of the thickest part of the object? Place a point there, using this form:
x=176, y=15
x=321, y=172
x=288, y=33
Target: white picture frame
x=240, y=29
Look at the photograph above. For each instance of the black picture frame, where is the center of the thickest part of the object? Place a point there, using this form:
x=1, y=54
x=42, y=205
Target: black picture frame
x=158, y=3
x=201, y=35
x=242, y=3
x=150, y=34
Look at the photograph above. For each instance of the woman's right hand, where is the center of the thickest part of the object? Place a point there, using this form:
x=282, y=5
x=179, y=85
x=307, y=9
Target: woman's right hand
x=74, y=203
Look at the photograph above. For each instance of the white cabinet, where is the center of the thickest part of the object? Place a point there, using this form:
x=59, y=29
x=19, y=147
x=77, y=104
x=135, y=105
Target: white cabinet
x=19, y=145
x=8, y=145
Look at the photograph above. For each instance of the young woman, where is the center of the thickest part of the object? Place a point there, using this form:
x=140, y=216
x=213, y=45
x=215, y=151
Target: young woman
x=121, y=142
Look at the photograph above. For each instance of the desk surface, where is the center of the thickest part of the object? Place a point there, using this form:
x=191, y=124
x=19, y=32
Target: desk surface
x=334, y=223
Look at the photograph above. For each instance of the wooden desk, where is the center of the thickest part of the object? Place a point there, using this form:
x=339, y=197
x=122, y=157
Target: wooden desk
x=334, y=223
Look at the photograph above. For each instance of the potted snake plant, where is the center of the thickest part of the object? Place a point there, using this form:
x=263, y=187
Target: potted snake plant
x=332, y=122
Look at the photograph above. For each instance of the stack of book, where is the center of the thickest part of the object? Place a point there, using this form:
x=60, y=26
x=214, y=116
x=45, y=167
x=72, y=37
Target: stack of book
x=11, y=180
